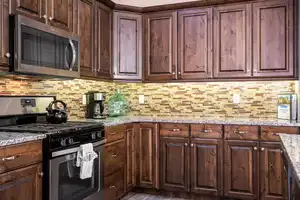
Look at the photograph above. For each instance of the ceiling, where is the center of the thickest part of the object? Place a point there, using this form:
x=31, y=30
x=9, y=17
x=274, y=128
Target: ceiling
x=146, y=3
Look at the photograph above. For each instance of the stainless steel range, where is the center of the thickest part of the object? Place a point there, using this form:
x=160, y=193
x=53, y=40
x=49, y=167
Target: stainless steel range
x=61, y=179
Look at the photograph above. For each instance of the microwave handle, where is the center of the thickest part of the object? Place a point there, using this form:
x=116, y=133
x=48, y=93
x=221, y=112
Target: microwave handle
x=74, y=55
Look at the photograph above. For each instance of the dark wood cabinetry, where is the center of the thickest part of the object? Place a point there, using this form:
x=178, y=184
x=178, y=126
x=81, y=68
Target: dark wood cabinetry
x=160, y=43
x=207, y=166
x=273, y=173
x=195, y=44
x=127, y=46
x=35, y=9
x=174, y=156
x=130, y=157
x=147, y=155
x=232, y=53
x=241, y=169
x=273, y=38
x=4, y=34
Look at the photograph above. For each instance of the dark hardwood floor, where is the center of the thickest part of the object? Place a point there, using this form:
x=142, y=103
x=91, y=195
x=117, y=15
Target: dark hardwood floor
x=140, y=196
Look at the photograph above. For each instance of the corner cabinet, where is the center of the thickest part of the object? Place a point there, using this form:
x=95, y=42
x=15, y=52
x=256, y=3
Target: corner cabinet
x=147, y=155
x=273, y=38
x=160, y=43
x=127, y=33
x=4, y=34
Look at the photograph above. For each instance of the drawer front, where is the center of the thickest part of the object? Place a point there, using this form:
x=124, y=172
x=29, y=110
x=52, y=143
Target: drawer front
x=114, y=156
x=271, y=133
x=18, y=156
x=206, y=131
x=241, y=132
x=114, y=185
x=114, y=133
x=174, y=130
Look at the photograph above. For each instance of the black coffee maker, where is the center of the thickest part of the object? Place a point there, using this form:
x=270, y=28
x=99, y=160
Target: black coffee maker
x=95, y=105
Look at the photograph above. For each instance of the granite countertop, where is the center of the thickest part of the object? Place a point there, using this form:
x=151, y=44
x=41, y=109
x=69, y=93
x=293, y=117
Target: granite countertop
x=291, y=149
x=194, y=120
x=11, y=138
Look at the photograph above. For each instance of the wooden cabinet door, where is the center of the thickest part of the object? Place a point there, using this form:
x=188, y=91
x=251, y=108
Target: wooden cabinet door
x=273, y=173
x=61, y=13
x=147, y=155
x=160, y=46
x=86, y=33
x=4, y=34
x=273, y=38
x=241, y=169
x=127, y=46
x=35, y=9
x=195, y=44
x=103, y=20
x=24, y=183
x=232, y=39
x=130, y=157
x=207, y=166
x=175, y=164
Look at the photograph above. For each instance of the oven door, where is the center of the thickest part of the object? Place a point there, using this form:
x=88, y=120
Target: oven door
x=65, y=183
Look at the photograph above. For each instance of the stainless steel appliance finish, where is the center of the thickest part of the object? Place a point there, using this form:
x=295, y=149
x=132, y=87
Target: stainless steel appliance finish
x=44, y=50
x=99, y=97
x=95, y=105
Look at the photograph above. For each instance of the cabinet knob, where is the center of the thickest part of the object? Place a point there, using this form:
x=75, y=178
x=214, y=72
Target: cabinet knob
x=41, y=175
x=45, y=16
x=114, y=155
x=179, y=73
x=7, y=55
x=50, y=18
x=255, y=148
x=112, y=186
x=262, y=149
x=186, y=144
x=192, y=145
x=173, y=73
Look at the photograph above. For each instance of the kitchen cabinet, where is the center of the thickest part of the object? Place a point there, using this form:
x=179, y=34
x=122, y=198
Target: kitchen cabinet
x=232, y=39
x=4, y=34
x=241, y=169
x=147, y=155
x=175, y=164
x=195, y=44
x=127, y=45
x=273, y=173
x=130, y=157
x=24, y=183
x=207, y=166
x=160, y=42
x=114, y=185
x=34, y=9
x=103, y=41
x=273, y=38
x=86, y=33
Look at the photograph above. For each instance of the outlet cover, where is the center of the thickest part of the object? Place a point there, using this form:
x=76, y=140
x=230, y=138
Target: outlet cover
x=84, y=99
x=236, y=98
x=141, y=99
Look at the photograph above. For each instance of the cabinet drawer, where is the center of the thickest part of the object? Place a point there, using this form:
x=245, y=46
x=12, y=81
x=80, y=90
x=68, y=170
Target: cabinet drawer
x=271, y=133
x=174, y=130
x=206, y=130
x=114, y=156
x=22, y=155
x=241, y=132
x=114, y=133
x=114, y=185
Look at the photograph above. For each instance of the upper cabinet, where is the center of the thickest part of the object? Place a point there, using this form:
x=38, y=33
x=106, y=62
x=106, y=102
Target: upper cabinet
x=273, y=38
x=160, y=43
x=4, y=34
x=195, y=44
x=127, y=46
x=232, y=53
x=35, y=9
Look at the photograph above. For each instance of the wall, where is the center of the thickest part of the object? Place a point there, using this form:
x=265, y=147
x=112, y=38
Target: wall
x=257, y=99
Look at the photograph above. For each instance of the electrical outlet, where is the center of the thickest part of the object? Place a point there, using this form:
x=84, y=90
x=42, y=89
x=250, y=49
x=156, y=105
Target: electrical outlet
x=236, y=98
x=141, y=99
x=84, y=99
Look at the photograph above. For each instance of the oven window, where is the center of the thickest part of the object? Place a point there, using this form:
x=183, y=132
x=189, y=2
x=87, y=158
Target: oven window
x=71, y=187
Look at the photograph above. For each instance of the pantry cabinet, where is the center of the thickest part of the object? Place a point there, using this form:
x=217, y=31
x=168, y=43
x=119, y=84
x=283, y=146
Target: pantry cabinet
x=4, y=34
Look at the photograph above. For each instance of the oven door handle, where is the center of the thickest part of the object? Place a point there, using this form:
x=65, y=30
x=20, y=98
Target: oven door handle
x=74, y=150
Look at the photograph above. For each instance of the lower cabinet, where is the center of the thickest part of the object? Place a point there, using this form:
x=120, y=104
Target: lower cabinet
x=114, y=185
x=273, y=173
x=207, y=166
x=241, y=169
x=24, y=183
x=130, y=157
x=174, y=173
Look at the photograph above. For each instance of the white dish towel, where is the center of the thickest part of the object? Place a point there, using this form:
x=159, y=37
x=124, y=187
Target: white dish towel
x=85, y=160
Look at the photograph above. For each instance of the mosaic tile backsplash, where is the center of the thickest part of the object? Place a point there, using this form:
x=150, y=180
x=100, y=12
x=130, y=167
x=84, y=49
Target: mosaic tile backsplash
x=257, y=99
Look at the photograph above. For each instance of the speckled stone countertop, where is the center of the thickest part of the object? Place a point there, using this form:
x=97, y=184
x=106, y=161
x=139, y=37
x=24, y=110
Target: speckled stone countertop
x=291, y=149
x=195, y=120
x=11, y=138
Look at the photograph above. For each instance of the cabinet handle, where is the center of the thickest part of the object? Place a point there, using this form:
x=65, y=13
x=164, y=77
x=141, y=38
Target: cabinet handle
x=7, y=55
x=9, y=158
x=262, y=149
x=112, y=186
x=114, y=155
x=113, y=133
x=50, y=18
x=255, y=148
x=176, y=129
x=192, y=145
x=41, y=175
x=205, y=131
x=240, y=132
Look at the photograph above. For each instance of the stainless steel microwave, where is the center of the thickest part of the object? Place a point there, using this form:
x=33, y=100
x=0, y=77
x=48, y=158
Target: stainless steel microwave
x=40, y=49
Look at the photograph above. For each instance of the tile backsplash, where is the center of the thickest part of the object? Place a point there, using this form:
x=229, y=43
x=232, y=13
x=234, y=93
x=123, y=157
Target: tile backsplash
x=257, y=99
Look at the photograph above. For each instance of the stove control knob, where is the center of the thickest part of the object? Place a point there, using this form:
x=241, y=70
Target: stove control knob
x=70, y=141
x=93, y=136
x=63, y=142
x=99, y=134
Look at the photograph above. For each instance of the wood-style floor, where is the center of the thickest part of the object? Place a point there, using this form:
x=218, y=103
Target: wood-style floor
x=139, y=196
